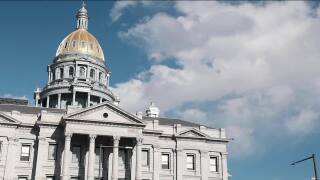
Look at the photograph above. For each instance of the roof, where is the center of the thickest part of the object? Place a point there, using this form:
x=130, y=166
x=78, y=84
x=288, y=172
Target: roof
x=13, y=101
x=27, y=109
x=170, y=121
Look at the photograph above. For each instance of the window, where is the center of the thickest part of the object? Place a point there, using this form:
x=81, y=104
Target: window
x=22, y=178
x=73, y=43
x=100, y=76
x=165, y=161
x=76, y=154
x=92, y=74
x=61, y=73
x=122, y=159
x=66, y=45
x=50, y=178
x=191, y=161
x=71, y=71
x=83, y=44
x=213, y=163
x=91, y=46
x=145, y=157
x=52, y=151
x=82, y=72
x=25, y=152
x=97, y=159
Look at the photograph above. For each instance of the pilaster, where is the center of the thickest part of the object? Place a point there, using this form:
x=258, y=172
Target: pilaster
x=204, y=164
x=156, y=162
x=41, y=156
x=9, y=171
x=138, y=158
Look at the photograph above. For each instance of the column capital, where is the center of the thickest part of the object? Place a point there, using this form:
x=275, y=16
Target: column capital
x=179, y=150
x=139, y=140
x=156, y=147
x=12, y=139
x=116, y=140
x=92, y=136
x=68, y=135
x=204, y=152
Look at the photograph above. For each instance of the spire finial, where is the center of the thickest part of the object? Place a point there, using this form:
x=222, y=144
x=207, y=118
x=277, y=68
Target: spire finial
x=82, y=17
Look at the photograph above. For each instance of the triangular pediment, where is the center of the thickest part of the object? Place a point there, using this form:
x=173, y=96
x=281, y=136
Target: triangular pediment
x=6, y=119
x=106, y=113
x=192, y=133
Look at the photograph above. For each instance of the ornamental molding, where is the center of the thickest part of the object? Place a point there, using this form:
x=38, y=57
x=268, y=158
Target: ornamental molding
x=8, y=120
x=77, y=116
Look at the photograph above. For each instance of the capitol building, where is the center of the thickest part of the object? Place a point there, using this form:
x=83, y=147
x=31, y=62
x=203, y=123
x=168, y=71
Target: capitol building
x=78, y=131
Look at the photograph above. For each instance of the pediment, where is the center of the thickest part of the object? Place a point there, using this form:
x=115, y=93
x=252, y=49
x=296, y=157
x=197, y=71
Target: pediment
x=193, y=133
x=6, y=119
x=106, y=113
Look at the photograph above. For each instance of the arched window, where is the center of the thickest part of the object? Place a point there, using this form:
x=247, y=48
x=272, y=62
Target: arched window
x=71, y=72
x=82, y=72
x=66, y=45
x=100, y=76
x=92, y=74
x=57, y=73
x=61, y=73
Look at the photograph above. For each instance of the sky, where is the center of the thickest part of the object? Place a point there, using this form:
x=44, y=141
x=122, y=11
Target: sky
x=250, y=67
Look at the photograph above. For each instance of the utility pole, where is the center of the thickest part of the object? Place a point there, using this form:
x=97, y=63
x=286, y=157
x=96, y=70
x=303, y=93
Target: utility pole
x=314, y=164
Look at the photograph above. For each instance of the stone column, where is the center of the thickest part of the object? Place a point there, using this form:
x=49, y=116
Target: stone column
x=92, y=138
x=49, y=75
x=74, y=98
x=115, y=157
x=224, y=166
x=204, y=165
x=66, y=156
x=41, y=155
x=48, y=101
x=88, y=100
x=9, y=173
x=156, y=162
x=138, y=158
x=59, y=101
x=180, y=165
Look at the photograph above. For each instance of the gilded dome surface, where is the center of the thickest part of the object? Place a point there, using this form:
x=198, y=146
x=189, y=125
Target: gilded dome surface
x=81, y=41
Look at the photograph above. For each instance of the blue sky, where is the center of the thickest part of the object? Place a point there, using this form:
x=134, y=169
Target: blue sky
x=251, y=68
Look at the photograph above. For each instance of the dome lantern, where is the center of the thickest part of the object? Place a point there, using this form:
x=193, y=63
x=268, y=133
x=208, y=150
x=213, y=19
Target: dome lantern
x=82, y=17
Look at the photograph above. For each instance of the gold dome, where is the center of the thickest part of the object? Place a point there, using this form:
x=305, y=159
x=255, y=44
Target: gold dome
x=81, y=41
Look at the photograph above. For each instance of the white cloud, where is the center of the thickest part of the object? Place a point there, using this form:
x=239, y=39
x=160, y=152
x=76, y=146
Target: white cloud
x=258, y=64
x=120, y=6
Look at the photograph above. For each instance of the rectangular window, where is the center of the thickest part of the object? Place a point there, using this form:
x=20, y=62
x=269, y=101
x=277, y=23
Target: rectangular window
x=145, y=157
x=213, y=163
x=122, y=159
x=22, y=178
x=76, y=154
x=97, y=159
x=52, y=151
x=191, y=161
x=25, y=152
x=165, y=161
x=50, y=178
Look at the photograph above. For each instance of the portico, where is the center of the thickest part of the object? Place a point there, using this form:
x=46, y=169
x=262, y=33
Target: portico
x=115, y=131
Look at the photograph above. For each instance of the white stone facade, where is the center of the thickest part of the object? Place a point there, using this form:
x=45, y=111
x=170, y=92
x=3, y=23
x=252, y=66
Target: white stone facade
x=89, y=137
x=141, y=144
